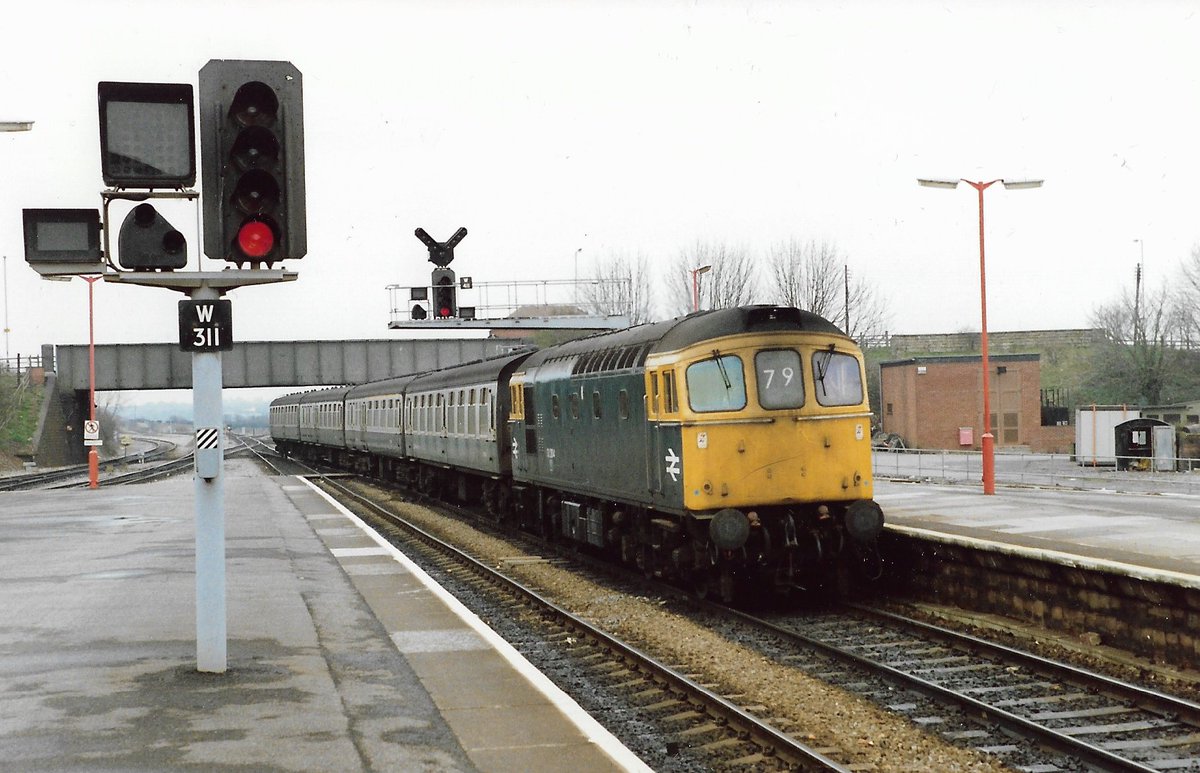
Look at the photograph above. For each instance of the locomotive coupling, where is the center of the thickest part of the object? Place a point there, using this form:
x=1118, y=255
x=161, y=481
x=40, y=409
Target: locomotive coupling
x=729, y=529
x=864, y=520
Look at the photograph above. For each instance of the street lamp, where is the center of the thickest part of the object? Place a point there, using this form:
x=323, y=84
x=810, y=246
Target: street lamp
x=987, y=442
x=577, y=273
x=696, y=272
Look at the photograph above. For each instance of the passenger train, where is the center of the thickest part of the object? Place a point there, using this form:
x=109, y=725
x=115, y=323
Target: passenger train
x=728, y=450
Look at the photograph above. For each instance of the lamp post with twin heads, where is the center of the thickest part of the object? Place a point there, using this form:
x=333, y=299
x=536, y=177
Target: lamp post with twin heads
x=987, y=441
x=696, y=272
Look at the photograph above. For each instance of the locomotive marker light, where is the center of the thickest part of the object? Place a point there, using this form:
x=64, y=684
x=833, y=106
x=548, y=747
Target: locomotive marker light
x=987, y=440
x=252, y=161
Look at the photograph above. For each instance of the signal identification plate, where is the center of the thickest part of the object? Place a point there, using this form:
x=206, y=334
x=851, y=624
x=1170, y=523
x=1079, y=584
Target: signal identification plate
x=206, y=326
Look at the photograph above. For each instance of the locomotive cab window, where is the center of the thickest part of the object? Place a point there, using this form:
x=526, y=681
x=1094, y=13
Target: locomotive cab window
x=716, y=384
x=777, y=372
x=837, y=378
x=670, y=394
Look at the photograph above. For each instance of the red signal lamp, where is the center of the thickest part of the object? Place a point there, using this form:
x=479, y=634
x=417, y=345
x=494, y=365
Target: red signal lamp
x=255, y=239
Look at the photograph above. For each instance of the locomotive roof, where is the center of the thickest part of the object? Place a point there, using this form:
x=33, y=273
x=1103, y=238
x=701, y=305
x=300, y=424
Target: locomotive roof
x=707, y=325
x=480, y=370
x=681, y=332
x=382, y=387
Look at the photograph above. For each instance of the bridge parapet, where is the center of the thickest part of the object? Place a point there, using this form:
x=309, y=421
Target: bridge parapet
x=269, y=363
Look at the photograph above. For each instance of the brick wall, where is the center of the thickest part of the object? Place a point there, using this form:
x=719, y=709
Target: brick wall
x=1004, y=341
x=927, y=400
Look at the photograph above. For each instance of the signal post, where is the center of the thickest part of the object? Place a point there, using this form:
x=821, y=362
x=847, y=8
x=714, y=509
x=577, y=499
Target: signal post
x=253, y=205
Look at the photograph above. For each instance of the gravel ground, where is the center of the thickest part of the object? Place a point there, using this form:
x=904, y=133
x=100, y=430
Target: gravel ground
x=848, y=728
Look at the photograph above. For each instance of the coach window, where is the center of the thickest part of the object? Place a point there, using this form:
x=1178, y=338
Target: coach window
x=777, y=372
x=837, y=378
x=716, y=384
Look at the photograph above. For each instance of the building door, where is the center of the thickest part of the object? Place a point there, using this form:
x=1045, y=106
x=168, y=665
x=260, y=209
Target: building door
x=1006, y=407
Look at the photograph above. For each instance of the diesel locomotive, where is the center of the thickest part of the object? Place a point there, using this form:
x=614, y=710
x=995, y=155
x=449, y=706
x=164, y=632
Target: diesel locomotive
x=728, y=450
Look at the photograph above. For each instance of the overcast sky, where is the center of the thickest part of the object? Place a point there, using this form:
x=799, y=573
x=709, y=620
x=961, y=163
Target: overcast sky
x=615, y=127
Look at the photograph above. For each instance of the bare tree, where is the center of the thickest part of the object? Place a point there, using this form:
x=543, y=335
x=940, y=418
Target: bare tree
x=1188, y=290
x=621, y=286
x=1138, y=363
x=815, y=276
x=729, y=279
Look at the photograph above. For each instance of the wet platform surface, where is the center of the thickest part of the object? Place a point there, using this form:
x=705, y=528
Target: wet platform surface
x=340, y=655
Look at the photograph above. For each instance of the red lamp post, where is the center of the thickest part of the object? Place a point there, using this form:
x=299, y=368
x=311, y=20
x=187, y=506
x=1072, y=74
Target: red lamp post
x=93, y=455
x=696, y=272
x=987, y=441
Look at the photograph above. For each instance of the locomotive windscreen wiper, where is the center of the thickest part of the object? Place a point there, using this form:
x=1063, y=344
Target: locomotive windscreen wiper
x=822, y=365
x=721, y=367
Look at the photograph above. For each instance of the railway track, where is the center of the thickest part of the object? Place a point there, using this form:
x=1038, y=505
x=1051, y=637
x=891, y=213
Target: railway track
x=1027, y=711
x=68, y=477
x=1086, y=717
x=693, y=726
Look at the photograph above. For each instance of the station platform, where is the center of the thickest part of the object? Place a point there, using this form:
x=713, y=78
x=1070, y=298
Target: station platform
x=341, y=654
x=1150, y=536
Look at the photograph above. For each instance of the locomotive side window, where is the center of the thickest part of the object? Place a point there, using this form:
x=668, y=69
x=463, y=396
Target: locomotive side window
x=777, y=372
x=595, y=405
x=623, y=404
x=652, y=397
x=555, y=408
x=670, y=396
x=837, y=378
x=574, y=402
x=717, y=384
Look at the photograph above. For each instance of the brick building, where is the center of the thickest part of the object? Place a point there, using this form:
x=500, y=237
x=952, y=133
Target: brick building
x=937, y=402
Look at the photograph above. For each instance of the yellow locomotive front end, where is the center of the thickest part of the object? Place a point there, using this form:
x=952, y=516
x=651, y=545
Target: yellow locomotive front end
x=775, y=451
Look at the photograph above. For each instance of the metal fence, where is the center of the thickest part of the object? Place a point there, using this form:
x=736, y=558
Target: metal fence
x=19, y=366
x=1030, y=469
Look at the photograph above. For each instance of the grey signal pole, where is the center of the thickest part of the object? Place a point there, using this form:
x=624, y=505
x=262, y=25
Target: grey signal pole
x=204, y=331
x=207, y=411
